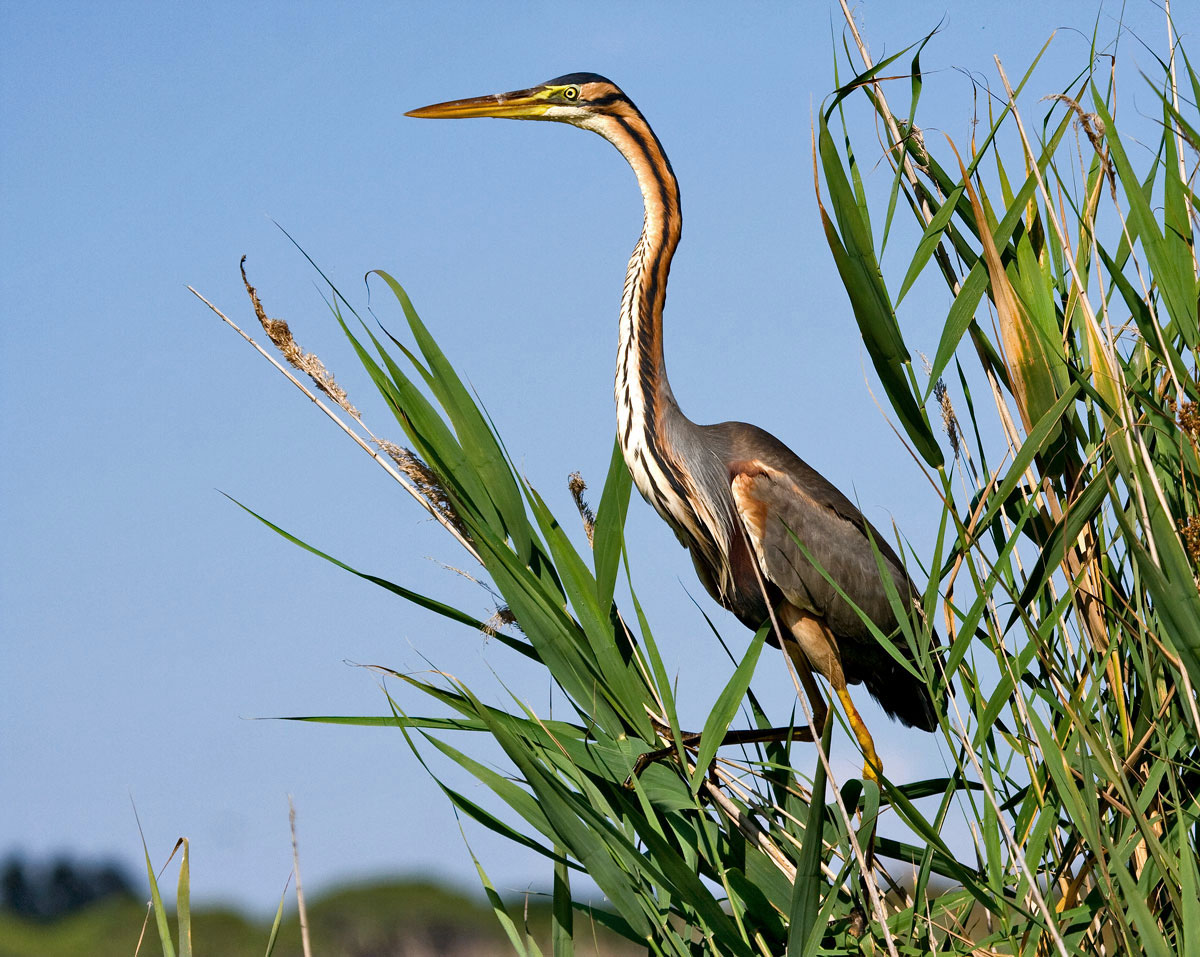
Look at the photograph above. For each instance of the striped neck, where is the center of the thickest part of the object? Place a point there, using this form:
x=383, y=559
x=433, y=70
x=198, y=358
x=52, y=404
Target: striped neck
x=643, y=392
x=650, y=427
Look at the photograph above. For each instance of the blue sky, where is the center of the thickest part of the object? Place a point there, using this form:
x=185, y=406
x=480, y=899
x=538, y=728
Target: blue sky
x=145, y=618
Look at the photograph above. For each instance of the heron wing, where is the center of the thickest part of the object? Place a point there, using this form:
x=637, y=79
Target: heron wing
x=778, y=513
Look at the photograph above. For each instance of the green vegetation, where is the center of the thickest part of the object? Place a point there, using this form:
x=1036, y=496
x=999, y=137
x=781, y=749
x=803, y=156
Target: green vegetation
x=1062, y=580
x=408, y=917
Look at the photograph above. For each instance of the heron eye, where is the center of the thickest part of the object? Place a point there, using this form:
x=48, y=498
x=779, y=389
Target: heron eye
x=571, y=93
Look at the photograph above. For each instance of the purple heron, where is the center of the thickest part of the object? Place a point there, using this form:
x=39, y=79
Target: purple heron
x=737, y=498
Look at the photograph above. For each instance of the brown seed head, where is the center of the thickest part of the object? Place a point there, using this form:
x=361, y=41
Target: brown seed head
x=281, y=336
x=1191, y=538
x=949, y=419
x=578, y=486
x=1189, y=419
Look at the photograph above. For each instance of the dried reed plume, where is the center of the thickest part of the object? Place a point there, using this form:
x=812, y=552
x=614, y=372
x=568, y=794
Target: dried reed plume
x=949, y=419
x=278, y=332
x=503, y=617
x=1189, y=418
x=1191, y=538
x=1093, y=129
x=414, y=476
x=426, y=481
x=428, y=484
x=578, y=486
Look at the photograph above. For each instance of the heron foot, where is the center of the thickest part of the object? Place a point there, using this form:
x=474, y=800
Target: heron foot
x=690, y=739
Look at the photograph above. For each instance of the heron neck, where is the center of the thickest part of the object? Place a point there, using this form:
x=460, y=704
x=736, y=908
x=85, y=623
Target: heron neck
x=655, y=435
x=643, y=392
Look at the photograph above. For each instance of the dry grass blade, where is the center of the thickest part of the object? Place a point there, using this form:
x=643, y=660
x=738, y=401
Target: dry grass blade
x=301, y=907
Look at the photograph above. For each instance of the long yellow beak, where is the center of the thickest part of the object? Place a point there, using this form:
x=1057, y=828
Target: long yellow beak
x=520, y=104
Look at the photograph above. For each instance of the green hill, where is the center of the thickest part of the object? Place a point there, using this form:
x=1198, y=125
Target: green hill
x=409, y=918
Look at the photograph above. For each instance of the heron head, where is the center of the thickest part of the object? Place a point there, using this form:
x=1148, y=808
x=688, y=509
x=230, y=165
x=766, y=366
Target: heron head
x=577, y=98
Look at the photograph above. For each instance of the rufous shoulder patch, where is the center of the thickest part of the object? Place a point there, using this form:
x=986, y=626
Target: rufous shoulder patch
x=748, y=481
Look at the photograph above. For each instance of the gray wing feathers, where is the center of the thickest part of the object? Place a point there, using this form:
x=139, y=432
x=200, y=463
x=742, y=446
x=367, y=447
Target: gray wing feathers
x=777, y=511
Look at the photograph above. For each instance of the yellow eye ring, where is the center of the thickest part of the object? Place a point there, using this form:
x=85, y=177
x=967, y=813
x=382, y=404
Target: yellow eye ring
x=571, y=93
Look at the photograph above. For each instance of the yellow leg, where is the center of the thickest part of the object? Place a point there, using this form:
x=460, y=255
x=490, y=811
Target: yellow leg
x=814, y=646
x=873, y=767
